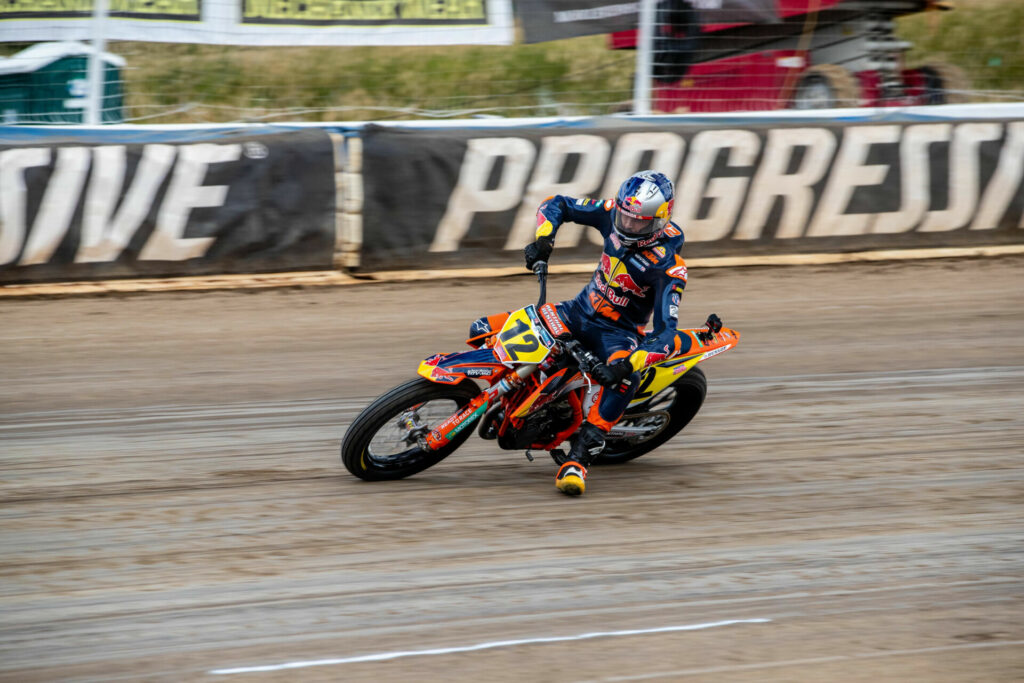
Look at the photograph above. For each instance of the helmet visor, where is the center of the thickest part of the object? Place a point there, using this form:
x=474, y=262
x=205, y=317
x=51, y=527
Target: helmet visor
x=632, y=225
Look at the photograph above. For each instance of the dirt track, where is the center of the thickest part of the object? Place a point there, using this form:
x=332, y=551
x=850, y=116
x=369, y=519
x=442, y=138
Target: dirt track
x=172, y=501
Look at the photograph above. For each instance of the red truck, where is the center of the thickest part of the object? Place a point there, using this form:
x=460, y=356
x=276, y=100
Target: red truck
x=813, y=54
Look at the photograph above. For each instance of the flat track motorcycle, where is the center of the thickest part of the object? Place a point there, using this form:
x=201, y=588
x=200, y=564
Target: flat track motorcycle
x=538, y=392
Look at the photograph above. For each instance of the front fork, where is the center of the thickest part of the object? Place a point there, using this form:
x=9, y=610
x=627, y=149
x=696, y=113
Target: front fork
x=447, y=430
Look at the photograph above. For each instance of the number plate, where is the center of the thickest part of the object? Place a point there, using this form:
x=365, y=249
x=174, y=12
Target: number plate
x=523, y=339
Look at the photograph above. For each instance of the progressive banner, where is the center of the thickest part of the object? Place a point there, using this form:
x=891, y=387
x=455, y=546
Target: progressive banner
x=470, y=197
x=266, y=22
x=232, y=205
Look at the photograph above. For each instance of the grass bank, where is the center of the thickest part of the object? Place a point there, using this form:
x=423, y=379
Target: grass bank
x=577, y=76
x=983, y=37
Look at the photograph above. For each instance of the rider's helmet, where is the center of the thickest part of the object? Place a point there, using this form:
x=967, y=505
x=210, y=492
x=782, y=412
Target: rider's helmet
x=643, y=206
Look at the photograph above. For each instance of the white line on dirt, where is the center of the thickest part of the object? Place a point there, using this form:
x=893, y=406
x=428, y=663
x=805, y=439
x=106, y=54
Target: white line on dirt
x=381, y=656
x=808, y=660
x=332, y=278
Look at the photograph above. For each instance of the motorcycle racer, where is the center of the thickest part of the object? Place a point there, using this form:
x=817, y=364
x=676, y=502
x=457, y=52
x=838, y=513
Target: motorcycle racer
x=640, y=273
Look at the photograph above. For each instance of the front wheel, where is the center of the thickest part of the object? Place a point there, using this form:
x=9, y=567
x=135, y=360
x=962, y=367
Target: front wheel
x=384, y=442
x=650, y=424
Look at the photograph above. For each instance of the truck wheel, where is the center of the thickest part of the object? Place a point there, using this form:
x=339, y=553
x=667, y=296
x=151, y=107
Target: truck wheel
x=826, y=86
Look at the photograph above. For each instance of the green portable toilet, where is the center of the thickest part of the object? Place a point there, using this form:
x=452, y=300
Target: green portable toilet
x=48, y=83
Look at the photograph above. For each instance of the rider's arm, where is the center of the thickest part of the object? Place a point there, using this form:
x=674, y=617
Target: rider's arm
x=664, y=341
x=560, y=209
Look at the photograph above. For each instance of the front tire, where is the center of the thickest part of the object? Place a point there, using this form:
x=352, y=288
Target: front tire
x=680, y=402
x=381, y=445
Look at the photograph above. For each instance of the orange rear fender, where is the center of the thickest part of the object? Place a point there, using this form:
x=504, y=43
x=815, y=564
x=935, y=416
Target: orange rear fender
x=701, y=343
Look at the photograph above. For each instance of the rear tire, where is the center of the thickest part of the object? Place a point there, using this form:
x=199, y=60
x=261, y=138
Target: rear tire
x=826, y=86
x=374, y=423
x=690, y=390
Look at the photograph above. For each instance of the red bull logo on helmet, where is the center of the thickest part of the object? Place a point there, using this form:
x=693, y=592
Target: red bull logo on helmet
x=632, y=203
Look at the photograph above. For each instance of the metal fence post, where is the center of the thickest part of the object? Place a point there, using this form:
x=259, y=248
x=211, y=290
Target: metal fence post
x=644, y=59
x=97, y=67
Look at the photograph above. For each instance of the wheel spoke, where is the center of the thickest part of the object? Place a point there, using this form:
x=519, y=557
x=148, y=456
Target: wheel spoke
x=637, y=428
x=401, y=434
x=388, y=440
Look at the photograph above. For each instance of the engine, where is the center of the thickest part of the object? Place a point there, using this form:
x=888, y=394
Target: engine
x=538, y=427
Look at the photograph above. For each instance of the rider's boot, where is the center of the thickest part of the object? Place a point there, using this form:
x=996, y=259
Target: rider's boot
x=571, y=477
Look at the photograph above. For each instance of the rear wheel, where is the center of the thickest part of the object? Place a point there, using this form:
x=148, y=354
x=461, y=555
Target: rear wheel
x=385, y=441
x=655, y=421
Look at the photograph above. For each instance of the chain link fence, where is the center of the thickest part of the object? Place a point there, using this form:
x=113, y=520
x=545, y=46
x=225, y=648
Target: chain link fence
x=699, y=56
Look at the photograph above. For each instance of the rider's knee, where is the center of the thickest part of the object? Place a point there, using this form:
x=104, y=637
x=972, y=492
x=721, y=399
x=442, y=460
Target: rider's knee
x=630, y=384
x=481, y=328
x=478, y=331
x=683, y=342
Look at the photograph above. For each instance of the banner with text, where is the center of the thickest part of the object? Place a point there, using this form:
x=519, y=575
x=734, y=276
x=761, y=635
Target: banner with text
x=266, y=22
x=470, y=197
x=231, y=205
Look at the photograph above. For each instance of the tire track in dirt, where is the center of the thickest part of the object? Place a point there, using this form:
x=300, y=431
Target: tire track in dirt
x=171, y=500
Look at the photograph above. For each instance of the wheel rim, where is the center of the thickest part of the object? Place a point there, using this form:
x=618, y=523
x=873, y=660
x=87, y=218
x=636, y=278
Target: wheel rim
x=815, y=93
x=398, y=439
x=652, y=416
x=660, y=401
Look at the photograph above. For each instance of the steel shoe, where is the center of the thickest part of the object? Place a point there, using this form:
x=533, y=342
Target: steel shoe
x=571, y=478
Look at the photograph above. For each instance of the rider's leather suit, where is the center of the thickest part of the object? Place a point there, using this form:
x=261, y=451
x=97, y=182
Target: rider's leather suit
x=610, y=314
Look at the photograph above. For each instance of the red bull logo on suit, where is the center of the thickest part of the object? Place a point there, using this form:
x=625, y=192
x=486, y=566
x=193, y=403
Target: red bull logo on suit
x=609, y=268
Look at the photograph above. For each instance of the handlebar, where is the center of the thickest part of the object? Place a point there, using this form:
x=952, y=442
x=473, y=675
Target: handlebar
x=541, y=270
x=586, y=359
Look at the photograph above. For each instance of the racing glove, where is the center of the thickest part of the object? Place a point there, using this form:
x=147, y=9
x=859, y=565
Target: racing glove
x=538, y=251
x=609, y=375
